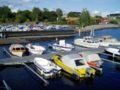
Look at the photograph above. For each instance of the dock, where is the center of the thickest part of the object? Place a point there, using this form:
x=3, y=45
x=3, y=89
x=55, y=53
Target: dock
x=33, y=36
x=29, y=59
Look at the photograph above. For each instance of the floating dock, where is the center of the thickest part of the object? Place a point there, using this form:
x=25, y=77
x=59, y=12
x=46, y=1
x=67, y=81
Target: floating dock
x=29, y=59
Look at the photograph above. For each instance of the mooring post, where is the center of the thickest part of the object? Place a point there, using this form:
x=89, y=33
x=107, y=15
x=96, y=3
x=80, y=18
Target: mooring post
x=45, y=81
x=113, y=57
x=6, y=86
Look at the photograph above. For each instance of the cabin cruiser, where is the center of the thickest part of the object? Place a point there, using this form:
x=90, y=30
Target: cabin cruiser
x=114, y=51
x=35, y=49
x=18, y=50
x=75, y=65
x=46, y=67
x=61, y=45
x=92, y=59
x=87, y=41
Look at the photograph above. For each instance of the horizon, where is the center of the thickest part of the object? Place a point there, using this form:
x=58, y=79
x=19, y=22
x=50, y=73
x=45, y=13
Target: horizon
x=100, y=7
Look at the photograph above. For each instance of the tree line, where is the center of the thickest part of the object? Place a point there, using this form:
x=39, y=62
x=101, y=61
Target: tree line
x=37, y=15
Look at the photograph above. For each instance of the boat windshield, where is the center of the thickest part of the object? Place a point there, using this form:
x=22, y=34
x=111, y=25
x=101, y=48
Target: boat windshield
x=79, y=62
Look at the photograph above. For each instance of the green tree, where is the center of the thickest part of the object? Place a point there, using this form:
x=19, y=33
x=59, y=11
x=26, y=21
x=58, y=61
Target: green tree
x=36, y=14
x=5, y=14
x=85, y=18
x=73, y=14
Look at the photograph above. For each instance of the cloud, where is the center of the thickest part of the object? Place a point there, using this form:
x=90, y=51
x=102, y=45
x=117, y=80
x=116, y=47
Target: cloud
x=100, y=13
x=29, y=0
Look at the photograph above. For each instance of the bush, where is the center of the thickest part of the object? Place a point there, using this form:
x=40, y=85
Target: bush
x=114, y=22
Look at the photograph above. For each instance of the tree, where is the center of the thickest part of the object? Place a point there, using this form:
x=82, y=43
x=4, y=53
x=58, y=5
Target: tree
x=98, y=17
x=36, y=14
x=5, y=14
x=20, y=17
x=59, y=15
x=59, y=12
x=85, y=18
x=73, y=14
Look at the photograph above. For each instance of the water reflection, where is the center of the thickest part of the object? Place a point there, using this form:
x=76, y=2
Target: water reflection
x=68, y=80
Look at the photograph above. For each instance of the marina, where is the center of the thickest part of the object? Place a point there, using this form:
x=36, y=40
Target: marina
x=24, y=65
x=59, y=45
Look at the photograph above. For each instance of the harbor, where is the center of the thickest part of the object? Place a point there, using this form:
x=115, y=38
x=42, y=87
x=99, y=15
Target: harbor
x=24, y=65
x=59, y=45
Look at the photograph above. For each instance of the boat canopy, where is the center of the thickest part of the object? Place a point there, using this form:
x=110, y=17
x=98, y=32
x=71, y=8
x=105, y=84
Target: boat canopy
x=73, y=60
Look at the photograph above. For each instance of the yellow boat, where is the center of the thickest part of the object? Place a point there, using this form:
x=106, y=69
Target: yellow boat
x=75, y=65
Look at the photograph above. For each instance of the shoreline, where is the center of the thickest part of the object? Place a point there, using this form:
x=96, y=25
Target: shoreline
x=97, y=27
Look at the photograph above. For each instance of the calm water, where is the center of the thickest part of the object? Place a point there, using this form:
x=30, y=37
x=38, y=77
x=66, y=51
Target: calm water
x=20, y=78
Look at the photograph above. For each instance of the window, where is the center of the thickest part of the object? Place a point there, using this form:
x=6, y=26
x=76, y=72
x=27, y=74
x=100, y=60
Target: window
x=22, y=48
x=79, y=62
x=17, y=48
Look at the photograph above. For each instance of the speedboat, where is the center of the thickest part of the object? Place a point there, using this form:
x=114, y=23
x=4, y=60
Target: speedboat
x=35, y=49
x=18, y=50
x=75, y=65
x=46, y=67
x=61, y=45
x=87, y=41
x=110, y=40
x=114, y=51
x=92, y=59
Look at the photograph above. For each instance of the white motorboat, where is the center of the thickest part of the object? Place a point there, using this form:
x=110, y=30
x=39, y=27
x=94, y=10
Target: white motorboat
x=61, y=45
x=114, y=51
x=92, y=59
x=87, y=41
x=18, y=50
x=110, y=40
x=46, y=67
x=35, y=49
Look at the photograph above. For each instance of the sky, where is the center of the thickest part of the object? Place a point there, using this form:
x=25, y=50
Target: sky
x=95, y=6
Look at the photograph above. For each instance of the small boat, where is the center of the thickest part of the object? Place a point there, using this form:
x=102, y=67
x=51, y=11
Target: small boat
x=110, y=40
x=46, y=67
x=18, y=50
x=75, y=65
x=92, y=59
x=35, y=49
x=87, y=41
x=61, y=45
x=114, y=51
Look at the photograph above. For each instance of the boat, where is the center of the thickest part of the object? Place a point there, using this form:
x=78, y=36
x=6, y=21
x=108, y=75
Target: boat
x=110, y=40
x=87, y=41
x=35, y=49
x=61, y=45
x=92, y=59
x=114, y=51
x=75, y=65
x=46, y=67
x=18, y=50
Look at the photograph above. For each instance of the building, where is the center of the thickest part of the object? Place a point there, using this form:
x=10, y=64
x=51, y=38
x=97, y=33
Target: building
x=113, y=16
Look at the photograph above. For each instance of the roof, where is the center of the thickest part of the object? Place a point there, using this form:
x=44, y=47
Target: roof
x=69, y=59
x=17, y=46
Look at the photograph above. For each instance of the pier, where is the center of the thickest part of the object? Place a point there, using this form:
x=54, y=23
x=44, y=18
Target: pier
x=30, y=58
x=32, y=36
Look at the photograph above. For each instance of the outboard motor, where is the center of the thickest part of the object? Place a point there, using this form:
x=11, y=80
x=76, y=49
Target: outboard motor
x=26, y=53
x=89, y=72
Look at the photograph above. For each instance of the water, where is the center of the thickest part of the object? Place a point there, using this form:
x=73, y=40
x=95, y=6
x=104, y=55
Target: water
x=20, y=78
